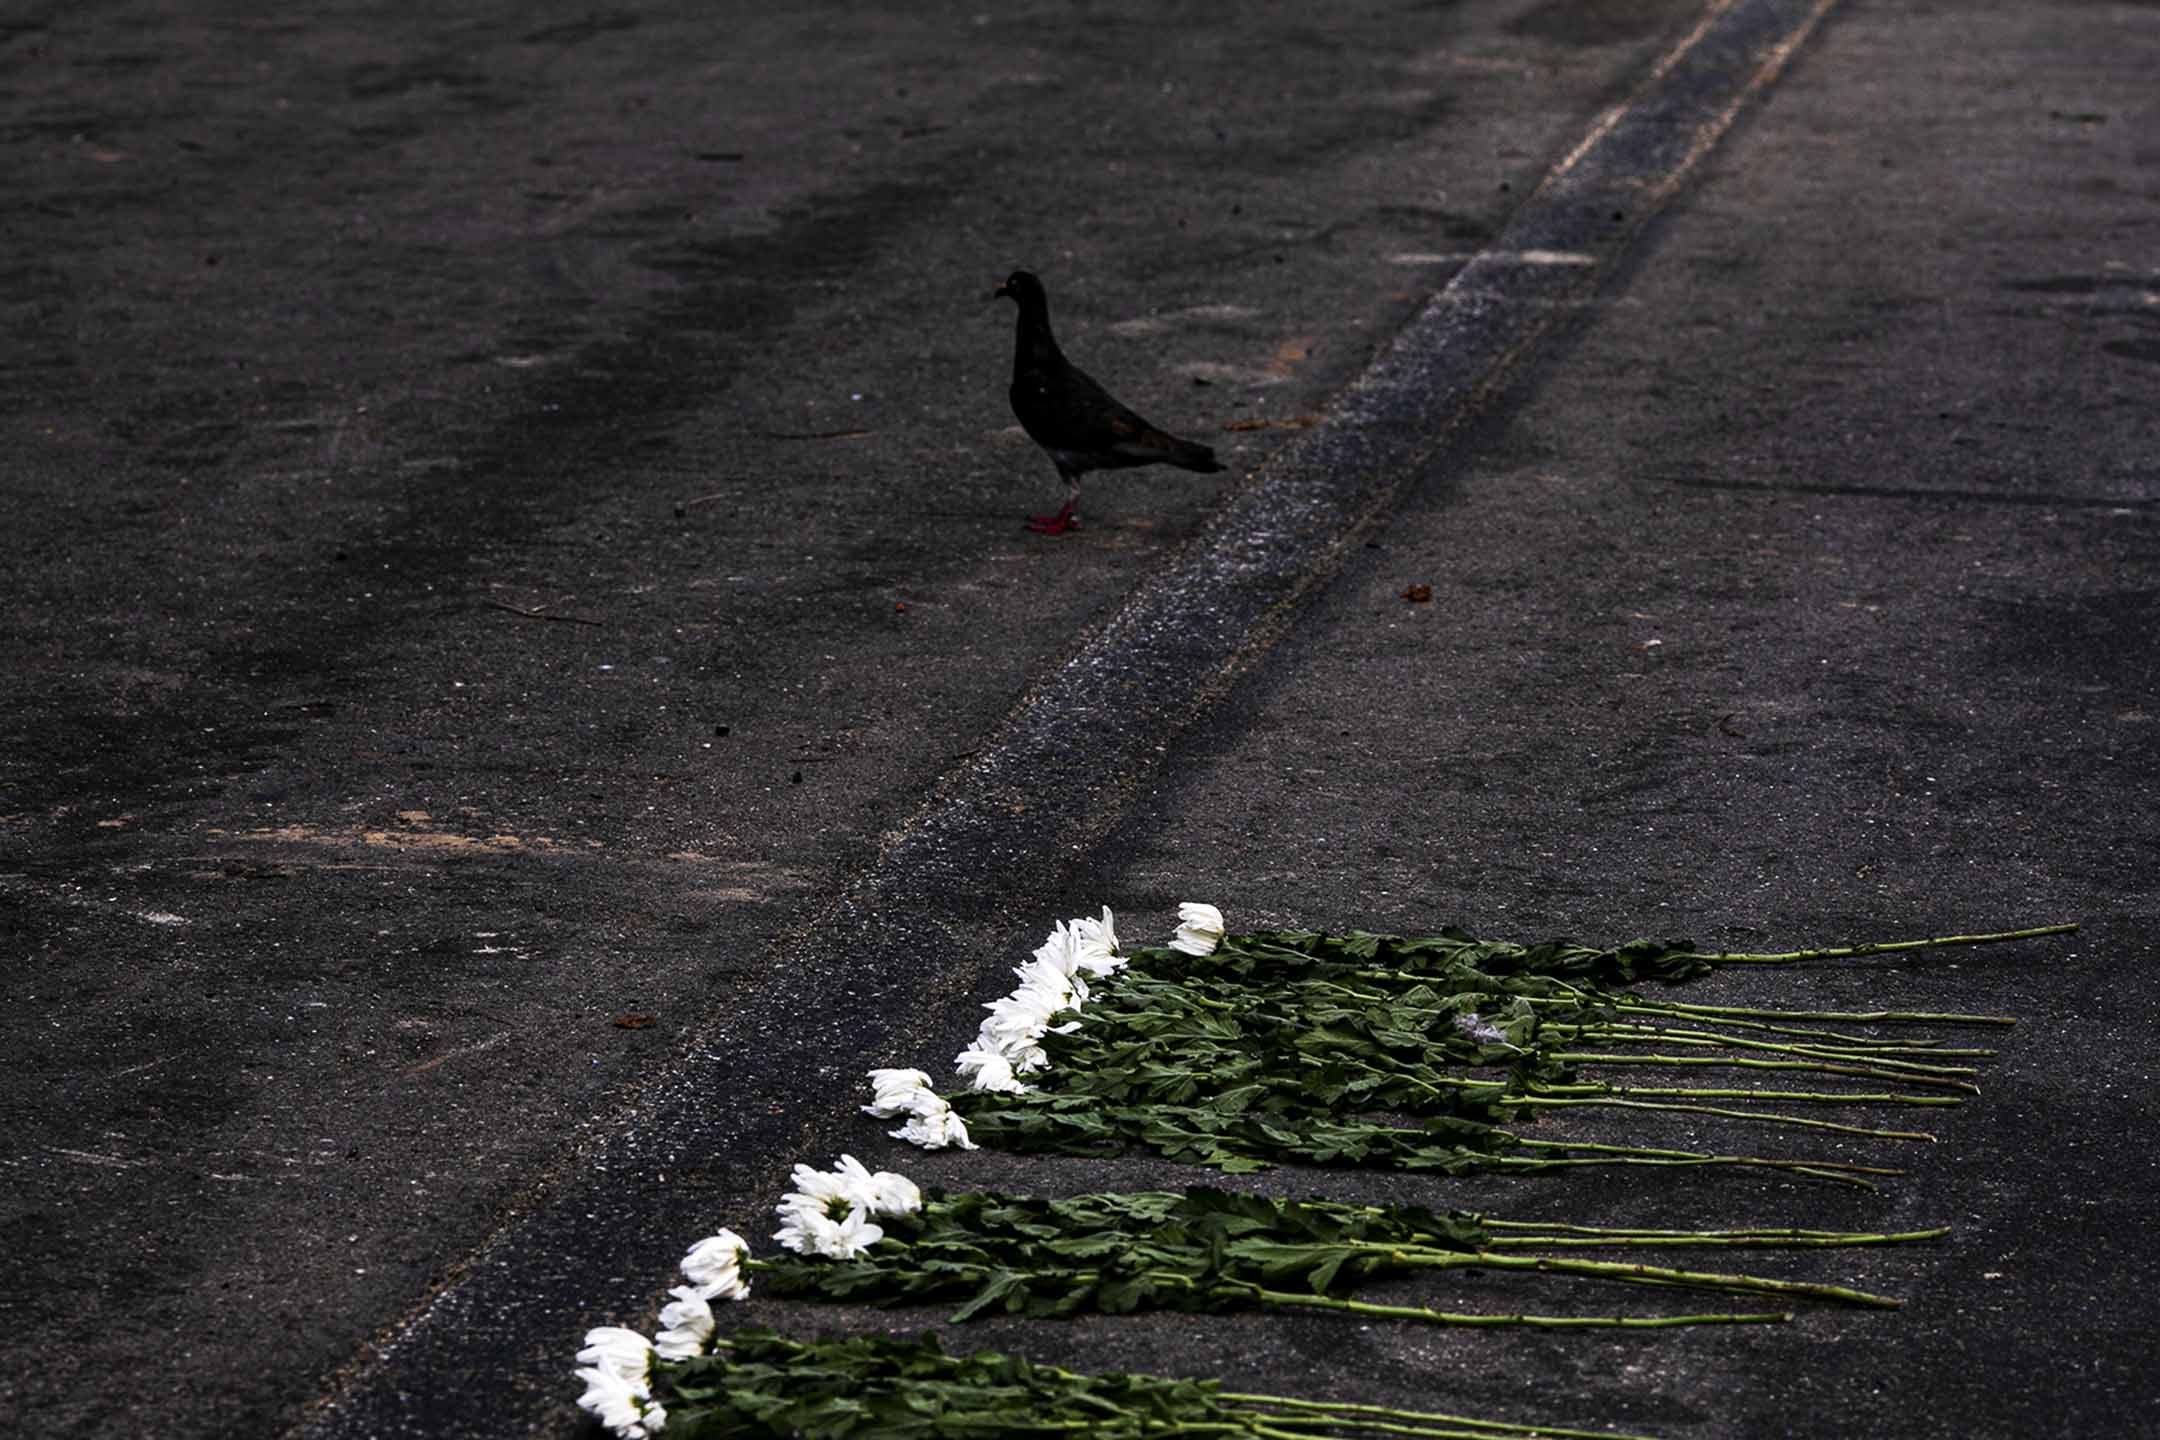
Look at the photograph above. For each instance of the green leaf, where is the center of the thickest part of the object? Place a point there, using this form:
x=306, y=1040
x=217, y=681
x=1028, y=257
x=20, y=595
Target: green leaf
x=1004, y=1286
x=1323, y=1275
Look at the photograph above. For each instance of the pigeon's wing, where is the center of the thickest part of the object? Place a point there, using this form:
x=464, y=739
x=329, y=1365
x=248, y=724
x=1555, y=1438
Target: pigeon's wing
x=1090, y=420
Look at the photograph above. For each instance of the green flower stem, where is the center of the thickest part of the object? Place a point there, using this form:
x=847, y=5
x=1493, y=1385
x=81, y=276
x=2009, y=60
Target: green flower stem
x=1539, y=1322
x=1629, y=1004
x=1700, y=1155
x=1842, y=1171
x=1263, y=1296
x=1635, y=1274
x=1306, y=1414
x=1884, y=947
x=1544, y=1097
x=1275, y=1428
x=1310, y=1419
x=1628, y=1000
x=1589, y=1236
x=1883, y=1054
x=1705, y=1039
x=1000, y=1425
x=747, y=1377
x=1326, y=986
x=1887, y=1057
x=1384, y=1413
x=1432, y=1087
x=1856, y=1017
x=1817, y=1097
x=1294, y=1427
x=1529, y=1166
x=1193, y=994
x=1823, y=1067
x=1762, y=1117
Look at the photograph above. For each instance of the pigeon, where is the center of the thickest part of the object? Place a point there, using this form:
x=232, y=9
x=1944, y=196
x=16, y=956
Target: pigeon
x=1077, y=421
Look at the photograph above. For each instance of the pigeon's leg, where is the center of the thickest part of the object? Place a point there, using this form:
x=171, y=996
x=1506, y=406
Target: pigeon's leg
x=1065, y=519
x=1057, y=524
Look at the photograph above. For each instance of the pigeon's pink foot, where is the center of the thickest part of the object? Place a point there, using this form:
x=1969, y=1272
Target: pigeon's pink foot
x=1057, y=524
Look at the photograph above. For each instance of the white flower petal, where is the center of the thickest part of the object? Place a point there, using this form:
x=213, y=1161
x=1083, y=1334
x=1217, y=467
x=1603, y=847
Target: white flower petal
x=935, y=1129
x=1060, y=952
x=688, y=1322
x=804, y=1232
x=618, y=1351
x=818, y=1183
x=850, y=1188
x=896, y=1092
x=833, y=1192
x=987, y=1070
x=811, y=1234
x=896, y=1082
x=617, y=1403
x=852, y=1236
x=1200, y=929
x=1096, y=943
x=714, y=1267
x=896, y=1194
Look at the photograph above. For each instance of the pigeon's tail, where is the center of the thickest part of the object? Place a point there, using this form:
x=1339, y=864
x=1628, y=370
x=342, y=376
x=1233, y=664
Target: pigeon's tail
x=1187, y=455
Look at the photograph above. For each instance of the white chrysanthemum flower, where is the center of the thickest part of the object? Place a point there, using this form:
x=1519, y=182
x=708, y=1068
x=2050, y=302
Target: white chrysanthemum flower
x=800, y=1214
x=1200, y=929
x=857, y=1184
x=808, y=1232
x=624, y=1406
x=1017, y=1021
x=934, y=1127
x=853, y=1171
x=687, y=1324
x=852, y=1186
x=987, y=1070
x=894, y=1194
x=714, y=1267
x=829, y=1192
x=1061, y=952
x=1015, y=1017
x=797, y=1230
x=1051, y=986
x=852, y=1236
x=895, y=1092
x=1096, y=944
x=617, y=1351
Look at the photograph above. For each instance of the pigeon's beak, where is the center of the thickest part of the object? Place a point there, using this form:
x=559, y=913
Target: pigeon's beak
x=1000, y=290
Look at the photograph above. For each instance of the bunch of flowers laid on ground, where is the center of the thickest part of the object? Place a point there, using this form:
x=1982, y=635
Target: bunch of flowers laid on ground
x=851, y=1233
x=1210, y=1250
x=858, y=1233
x=832, y=1214
x=617, y=1363
x=1243, y=1051
x=758, y=1385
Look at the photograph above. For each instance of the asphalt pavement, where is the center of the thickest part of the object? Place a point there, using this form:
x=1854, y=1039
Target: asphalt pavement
x=528, y=675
